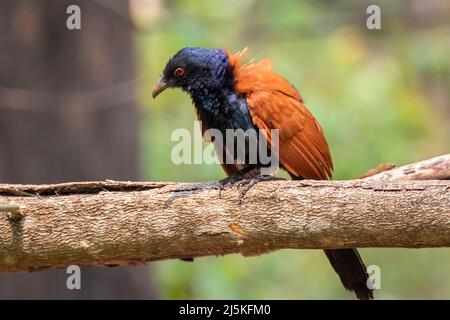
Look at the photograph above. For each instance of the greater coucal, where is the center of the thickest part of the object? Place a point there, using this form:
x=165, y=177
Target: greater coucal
x=228, y=94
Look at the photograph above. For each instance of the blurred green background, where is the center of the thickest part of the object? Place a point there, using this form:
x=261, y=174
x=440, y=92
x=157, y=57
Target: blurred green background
x=380, y=96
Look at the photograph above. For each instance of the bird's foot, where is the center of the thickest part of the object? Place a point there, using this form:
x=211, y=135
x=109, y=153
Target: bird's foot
x=246, y=184
x=228, y=182
x=243, y=183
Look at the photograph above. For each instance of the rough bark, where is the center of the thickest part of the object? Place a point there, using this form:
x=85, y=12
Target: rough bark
x=437, y=168
x=109, y=223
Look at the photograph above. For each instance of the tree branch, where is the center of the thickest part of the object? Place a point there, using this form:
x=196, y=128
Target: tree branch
x=436, y=168
x=110, y=223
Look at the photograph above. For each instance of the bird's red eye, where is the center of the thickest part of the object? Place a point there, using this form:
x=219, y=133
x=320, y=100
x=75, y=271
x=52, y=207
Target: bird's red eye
x=179, y=72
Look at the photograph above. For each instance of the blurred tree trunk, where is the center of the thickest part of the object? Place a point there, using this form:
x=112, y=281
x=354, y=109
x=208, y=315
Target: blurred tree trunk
x=67, y=112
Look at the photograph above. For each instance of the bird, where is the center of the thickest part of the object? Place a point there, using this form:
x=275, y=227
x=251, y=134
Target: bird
x=230, y=94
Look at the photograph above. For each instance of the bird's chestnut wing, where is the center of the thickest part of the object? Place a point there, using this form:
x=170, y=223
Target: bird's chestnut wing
x=275, y=104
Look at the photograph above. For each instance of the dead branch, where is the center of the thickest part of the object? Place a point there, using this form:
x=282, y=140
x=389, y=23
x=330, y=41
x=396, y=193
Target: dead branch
x=109, y=223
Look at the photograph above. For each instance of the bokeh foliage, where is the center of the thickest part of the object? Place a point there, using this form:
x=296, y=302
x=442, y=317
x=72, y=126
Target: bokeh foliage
x=381, y=96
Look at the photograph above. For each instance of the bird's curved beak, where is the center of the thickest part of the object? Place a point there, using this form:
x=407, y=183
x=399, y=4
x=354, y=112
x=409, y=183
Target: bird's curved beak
x=160, y=86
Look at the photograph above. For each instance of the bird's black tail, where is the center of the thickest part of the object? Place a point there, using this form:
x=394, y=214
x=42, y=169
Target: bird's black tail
x=351, y=269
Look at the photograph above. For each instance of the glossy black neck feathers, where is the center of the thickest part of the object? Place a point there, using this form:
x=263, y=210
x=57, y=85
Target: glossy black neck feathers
x=209, y=91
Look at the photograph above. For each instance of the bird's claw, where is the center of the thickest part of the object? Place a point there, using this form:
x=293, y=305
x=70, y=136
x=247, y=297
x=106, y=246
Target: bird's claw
x=228, y=182
x=243, y=184
x=232, y=180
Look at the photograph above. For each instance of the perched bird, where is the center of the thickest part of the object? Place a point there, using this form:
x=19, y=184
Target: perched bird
x=228, y=94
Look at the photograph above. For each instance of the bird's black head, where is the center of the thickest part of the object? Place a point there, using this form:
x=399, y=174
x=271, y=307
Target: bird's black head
x=196, y=71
